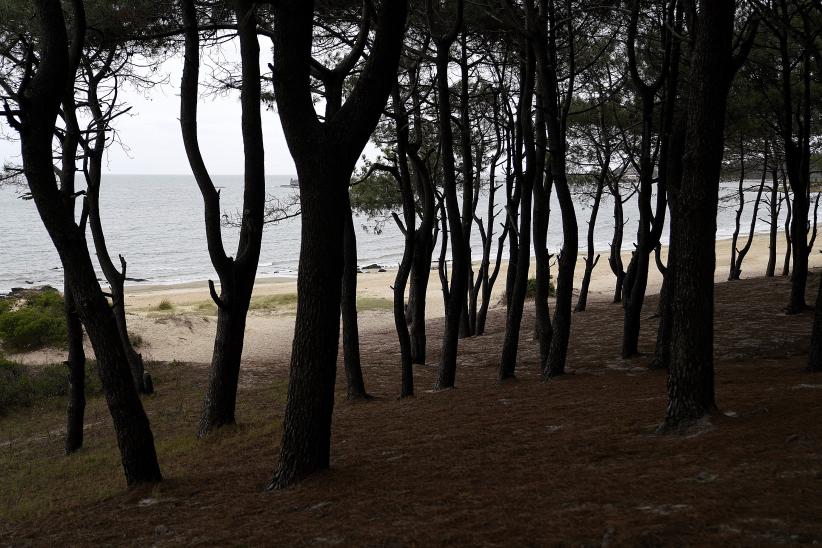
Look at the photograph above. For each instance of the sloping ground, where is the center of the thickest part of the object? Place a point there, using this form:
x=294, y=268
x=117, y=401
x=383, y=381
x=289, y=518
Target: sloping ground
x=572, y=461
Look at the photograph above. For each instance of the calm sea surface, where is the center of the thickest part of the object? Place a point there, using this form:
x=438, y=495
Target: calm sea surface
x=156, y=223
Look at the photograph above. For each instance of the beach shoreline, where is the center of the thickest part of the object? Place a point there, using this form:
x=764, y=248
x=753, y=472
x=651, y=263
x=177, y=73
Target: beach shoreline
x=184, y=331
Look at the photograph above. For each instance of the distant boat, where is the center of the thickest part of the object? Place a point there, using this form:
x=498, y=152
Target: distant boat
x=292, y=183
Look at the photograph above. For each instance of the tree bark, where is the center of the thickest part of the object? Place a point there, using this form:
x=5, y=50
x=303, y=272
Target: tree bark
x=39, y=107
x=351, y=333
x=325, y=154
x=457, y=293
x=525, y=179
x=77, y=376
x=236, y=275
x=774, y=206
x=691, y=375
x=590, y=260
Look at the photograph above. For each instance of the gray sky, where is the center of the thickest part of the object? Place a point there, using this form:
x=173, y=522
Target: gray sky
x=152, y=131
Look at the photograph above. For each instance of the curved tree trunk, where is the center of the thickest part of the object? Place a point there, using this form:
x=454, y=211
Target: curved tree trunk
x=236, y=275
x=590, y=260
x=615, y=257
x=39, y=114
x=351, y=333
x=786, y=265
x=742, y=253
x=525, y=180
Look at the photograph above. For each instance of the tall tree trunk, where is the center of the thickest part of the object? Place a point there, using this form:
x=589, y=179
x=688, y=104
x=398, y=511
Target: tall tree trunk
x=38, y=118
x=446, y=375
x=325, y=154
x=691, y=374
x=468, y=201
x=786, y=264
x=525, y=180
x=590, y=260
x=543, y=184
x=351, y=333
x=236, y=275
x=410, y=218
x=615, y=257
x=115, y=278
x=77, y=375
x=742, y=253
x=733, y=275
x=306, y=438
x=774, y=205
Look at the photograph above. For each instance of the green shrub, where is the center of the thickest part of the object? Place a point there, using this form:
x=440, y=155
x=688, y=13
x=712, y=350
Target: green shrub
x=165, y=304
x=36, y=320
x=531, y=292
x=23, y=386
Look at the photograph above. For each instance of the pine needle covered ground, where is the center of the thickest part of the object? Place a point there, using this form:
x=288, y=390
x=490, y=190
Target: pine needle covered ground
x=572, y=461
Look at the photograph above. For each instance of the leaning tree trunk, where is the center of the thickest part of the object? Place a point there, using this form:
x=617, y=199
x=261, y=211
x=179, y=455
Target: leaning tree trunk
x=348, y=306
x=742, y=253
x=733, y=274
x=691, y=374
x=38, y=119
x=77, y=375
x=525, y=180
x=590, y=260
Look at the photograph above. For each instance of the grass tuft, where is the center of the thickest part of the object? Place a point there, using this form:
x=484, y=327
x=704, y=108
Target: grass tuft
x=165, y=304
x=274, y=302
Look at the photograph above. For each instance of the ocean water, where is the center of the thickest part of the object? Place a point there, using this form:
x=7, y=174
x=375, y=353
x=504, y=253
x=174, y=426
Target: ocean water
x=156, y=223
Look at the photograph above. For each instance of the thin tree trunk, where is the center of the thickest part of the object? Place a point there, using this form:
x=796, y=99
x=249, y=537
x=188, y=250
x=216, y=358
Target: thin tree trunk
x=774, y=206
x=615, y=257
x=737, y=267
x=733, y=274
x=236, y=275
x=786, y=265
x=457, y=293
x=590, y=260
x=525, y=180
x=351, y=333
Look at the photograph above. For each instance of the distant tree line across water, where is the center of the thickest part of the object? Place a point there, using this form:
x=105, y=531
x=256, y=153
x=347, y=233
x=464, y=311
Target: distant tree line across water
x=650, y=101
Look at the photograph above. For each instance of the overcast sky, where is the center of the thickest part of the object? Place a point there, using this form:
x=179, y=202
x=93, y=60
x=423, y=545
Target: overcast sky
x=152, y=132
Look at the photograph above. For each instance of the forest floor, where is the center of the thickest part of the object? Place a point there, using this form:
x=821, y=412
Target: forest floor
x=572, y=461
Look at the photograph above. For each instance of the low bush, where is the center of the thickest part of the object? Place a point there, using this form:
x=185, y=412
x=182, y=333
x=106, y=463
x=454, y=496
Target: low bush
x=165, y=304
x=33, y=321
x=25, y=386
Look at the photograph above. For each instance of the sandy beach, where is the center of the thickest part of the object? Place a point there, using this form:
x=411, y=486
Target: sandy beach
x=186, y=331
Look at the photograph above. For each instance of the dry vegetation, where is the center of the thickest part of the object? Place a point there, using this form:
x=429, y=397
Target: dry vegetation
x=574, y=461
